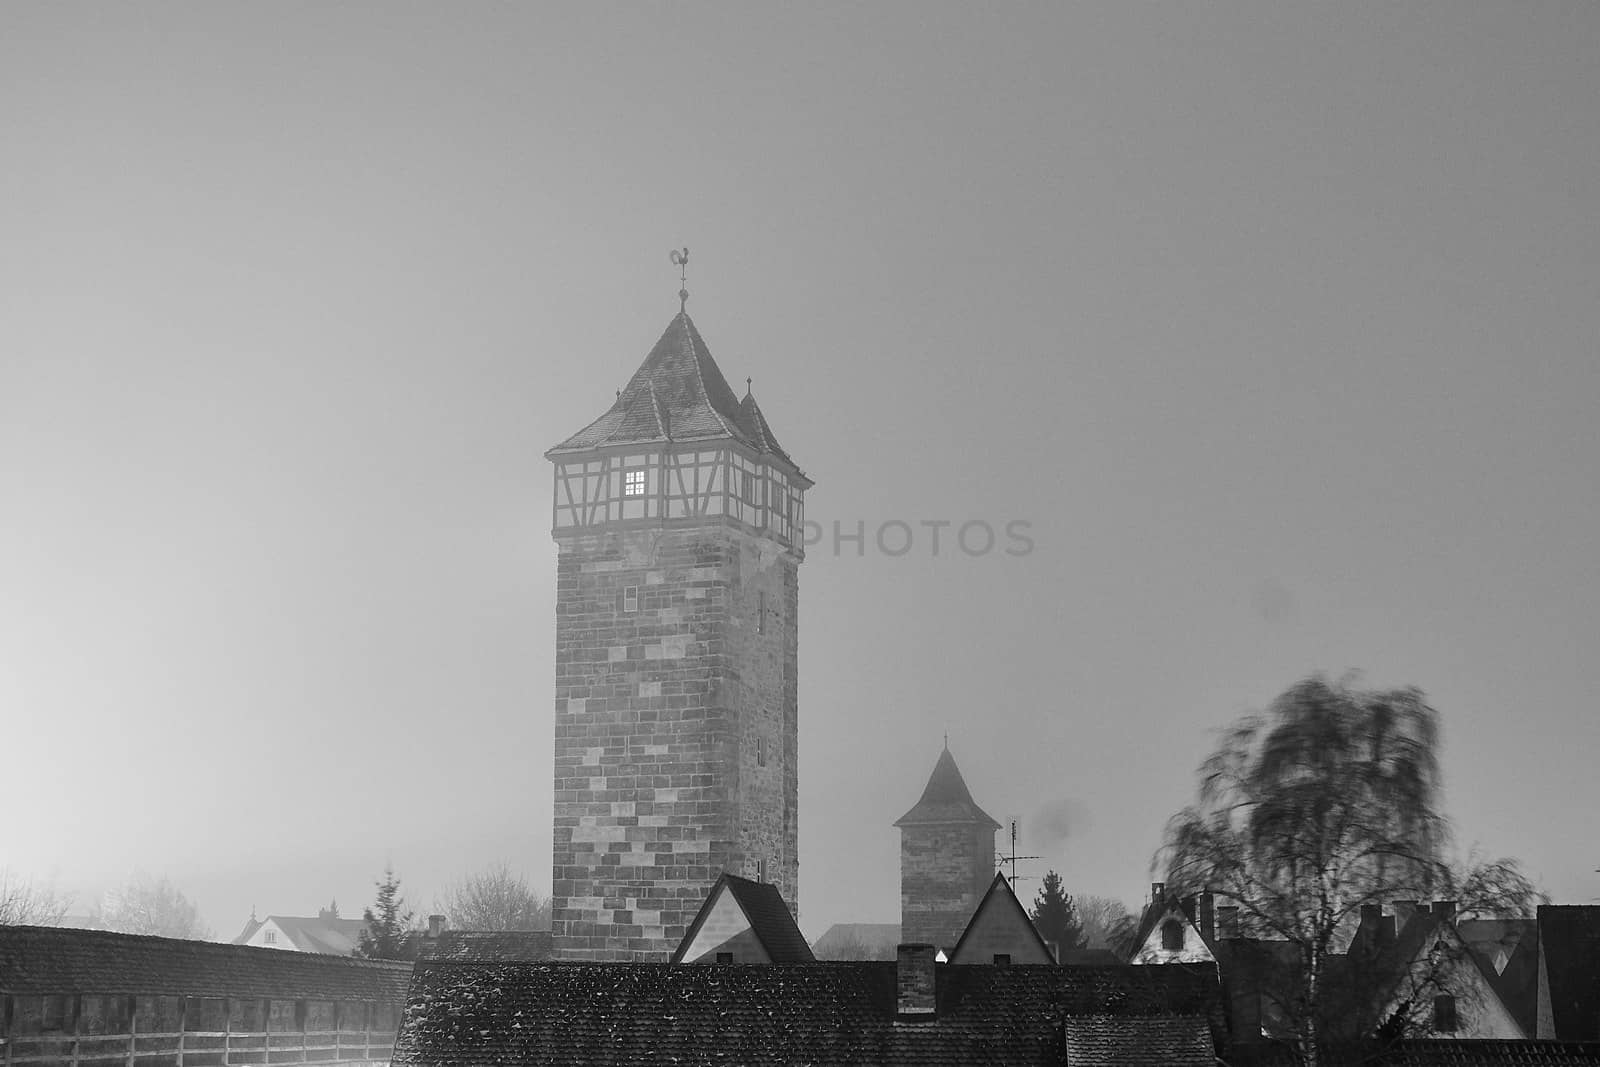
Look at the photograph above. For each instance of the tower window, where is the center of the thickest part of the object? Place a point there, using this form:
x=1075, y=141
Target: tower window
x=761, y=870
x=1172, y=936
x=633, y=482
x=630, y=598
x=1444, y=1014
x=747, y=487
x=761, y=752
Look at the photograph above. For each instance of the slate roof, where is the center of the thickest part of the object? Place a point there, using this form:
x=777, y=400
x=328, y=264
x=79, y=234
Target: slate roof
x=1517, y=985
x=604, y=1014
x=490, y=946
x=1447, y=1052
x=1569, y=942
x=946, y=798
x=1161, y=1041
x=37, y=959
x=770, y=919
x=678, y=394
x=334, y=937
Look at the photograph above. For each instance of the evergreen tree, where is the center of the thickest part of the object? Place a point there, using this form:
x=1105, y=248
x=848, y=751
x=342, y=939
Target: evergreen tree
x=389, y=925
x=1055, y=916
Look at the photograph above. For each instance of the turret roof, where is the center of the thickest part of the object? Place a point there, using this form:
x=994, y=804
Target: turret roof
x=678, y=394
x=946, y=799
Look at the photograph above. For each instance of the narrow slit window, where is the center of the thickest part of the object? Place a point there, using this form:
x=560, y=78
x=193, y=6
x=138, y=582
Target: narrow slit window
x=633, y=482
x=761, y=752
x=761, y=613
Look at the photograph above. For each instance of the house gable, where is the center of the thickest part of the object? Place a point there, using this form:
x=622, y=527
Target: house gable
x=1157, y=938
x=1001, y=927
x=743, y=922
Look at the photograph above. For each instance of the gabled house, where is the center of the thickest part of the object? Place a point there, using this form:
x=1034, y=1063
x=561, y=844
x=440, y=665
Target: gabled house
x=1000, y=931
x=1175, y=930
x=327, y=934
x=743, y=921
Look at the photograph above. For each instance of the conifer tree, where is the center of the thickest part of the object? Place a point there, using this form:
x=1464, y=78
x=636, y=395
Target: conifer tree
x=1055, y=917
x=385, y=936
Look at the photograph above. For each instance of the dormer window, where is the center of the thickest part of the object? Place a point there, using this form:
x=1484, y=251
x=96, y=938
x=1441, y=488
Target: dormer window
x=633, y=482
x=1172, y=936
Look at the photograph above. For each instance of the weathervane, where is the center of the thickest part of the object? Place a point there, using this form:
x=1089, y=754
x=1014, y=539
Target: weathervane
x=681, y=260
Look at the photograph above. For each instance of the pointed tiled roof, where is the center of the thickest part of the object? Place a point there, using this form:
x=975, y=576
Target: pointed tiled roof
x=770, y=920
x=1001, y=896
x=754, y=424
x=678, y=394
x=946, y=798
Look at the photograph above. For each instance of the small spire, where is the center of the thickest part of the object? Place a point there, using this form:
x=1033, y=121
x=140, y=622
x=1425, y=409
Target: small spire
x=681, y=260
x=947, y=740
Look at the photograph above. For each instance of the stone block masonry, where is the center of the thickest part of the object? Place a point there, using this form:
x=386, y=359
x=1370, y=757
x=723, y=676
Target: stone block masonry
x=675, y=730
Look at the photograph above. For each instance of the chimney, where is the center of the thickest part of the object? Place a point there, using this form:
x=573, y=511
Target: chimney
x=1444, y=909
x=914, y=982
x=1404, y=912
x=1157, y=891
x=435, y=926
x=1207, y=917
x=1228, y=923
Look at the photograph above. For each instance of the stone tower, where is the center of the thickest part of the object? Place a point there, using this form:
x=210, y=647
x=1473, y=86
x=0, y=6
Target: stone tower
x=678, y=522
x=947, y=858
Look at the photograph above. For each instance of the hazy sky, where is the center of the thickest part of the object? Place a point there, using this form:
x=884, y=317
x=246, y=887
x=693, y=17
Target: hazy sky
x=1278, y=323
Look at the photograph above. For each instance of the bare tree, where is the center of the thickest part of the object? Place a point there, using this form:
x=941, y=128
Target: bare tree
x=495, y=898
x=145, y=905
x=25, y=902
x=1103, y=920
x=854, y=947
x=1307, y=813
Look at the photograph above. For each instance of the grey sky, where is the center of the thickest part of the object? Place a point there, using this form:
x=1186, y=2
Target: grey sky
x=1279, y=324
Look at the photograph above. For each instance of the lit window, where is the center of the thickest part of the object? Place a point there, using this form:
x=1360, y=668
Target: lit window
x=1172, y=935
x=633, y=482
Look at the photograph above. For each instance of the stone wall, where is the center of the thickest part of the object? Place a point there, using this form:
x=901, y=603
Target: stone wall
x=675, y=730
x=944, y=872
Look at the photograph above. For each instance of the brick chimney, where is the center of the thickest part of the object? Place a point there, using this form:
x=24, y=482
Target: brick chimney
x=914, y=982
x=435, y=926
x=1444, y=909
x=1228, y=922
x=1206, y=916
x=1404, y=912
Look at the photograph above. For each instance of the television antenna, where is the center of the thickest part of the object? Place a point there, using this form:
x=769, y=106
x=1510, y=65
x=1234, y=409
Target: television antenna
x=1002, y=859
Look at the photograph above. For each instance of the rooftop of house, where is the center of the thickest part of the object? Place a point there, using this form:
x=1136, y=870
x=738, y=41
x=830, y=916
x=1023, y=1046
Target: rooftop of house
x=771, y=922
x=678, y=394
x=946, y=799
x=1569, y=950
x=48, y=960
x=330, y=935
x=872, y=938
x=834, y=1013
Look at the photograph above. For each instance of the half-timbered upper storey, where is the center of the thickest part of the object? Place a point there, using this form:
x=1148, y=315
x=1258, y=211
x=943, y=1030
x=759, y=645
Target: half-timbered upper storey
x=678, y=444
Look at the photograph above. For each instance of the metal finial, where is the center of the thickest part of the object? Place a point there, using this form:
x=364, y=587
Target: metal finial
x=747, y=386
x=681, y=259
